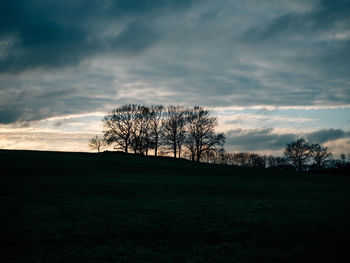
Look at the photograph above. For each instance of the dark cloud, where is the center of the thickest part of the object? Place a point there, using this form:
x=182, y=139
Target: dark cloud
x=9, y=115
x=63, y=57
x=61, y=33
x=36, y=103
x=290, y=25
x=268, y=139
x=257, y=139
x=323, y=136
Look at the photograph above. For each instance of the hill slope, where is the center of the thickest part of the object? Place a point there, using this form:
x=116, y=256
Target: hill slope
x=80, y=207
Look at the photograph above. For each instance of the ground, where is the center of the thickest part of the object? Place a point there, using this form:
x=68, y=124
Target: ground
x=81, y=207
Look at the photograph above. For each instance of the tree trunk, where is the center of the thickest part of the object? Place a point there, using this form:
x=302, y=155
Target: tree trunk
x=299, y=166
x=198, y=155
x=156, y=146
x=126, y=147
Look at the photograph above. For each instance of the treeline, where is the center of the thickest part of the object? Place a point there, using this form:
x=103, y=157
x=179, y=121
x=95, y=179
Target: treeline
x=298, y=156
x=189, y=133
x=249, y=159
x=180, y=131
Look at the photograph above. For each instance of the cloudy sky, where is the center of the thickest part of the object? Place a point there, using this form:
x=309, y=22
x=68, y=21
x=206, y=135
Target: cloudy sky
x=272, y=71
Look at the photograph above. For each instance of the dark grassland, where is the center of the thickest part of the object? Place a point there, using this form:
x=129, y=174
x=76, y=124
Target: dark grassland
x=80, y=207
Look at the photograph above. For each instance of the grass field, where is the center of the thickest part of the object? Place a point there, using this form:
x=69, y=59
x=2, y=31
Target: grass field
x=80, y=207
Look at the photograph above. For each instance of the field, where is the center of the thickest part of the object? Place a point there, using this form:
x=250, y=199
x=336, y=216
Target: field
x=80, y=207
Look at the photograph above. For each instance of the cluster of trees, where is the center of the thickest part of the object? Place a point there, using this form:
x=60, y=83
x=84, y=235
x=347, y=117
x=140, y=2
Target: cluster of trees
x=298, y=155
x=190, y=133
x=248, y=159
x=173, y=129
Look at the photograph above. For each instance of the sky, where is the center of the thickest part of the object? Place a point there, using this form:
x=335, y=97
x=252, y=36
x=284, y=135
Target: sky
x=271, y=71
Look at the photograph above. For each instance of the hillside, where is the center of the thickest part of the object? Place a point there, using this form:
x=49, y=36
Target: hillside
x=81, y=207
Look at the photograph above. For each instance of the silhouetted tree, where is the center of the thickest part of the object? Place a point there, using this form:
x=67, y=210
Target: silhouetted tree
x=298, y=153
x=141, y=128
x=230, y=158
x=140, y=133
x=277, y=163
x=222, y=156
x=97, y=143
x=334, y=164
x=343, y=158
x=190, y=145
x=320, y=155
x=174, y=132
x=215, y=155
x=241, y=159
x=201, y=136
x=256, y=160
x=118, y=126
x=247, y=159
x=156, y=126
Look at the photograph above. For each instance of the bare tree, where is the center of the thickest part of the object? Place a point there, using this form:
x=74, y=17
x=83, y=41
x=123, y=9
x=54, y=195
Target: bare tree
x=230, y=158
x=215, y=155
x=97, y=143
x=156, y=126
x=241, y=159
x=247, y=159
x=257, y=161
x=140, y=135
x=343, y=158
x=173, y=133
x=298, y=153
x=118, y=126
x=191, y=147
x=320, y=155
x=277, y=162
x=201, y=135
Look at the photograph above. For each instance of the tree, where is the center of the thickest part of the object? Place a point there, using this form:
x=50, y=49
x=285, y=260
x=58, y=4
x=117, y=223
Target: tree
x=320, y=155
x=201, y=136
x=156, y=126
x=343, y=158
x=257, y=161
x=277, y=163
x=215, y=155
x=241, y=159
x=298, y=153
x=118, y=126
x=173, y=133
x=97, y=143
x=140, y=134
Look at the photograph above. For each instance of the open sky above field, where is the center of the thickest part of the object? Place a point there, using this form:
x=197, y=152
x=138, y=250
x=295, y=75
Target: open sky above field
x=272, y=71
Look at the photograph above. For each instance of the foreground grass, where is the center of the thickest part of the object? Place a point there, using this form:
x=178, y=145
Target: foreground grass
x=75, y=207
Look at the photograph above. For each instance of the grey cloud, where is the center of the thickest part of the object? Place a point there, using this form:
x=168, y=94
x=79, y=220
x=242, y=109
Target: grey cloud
x=32, y=111
x=134, y=39
x=30, y=98
x=189, y=52
x=8, y=115
x=323, y=136
x=257, y=139
x=61, y=33
x=325, y=16
x=267, y=139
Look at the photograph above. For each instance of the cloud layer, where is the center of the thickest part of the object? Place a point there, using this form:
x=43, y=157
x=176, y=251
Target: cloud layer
x=66, y=57
x=269, y=140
